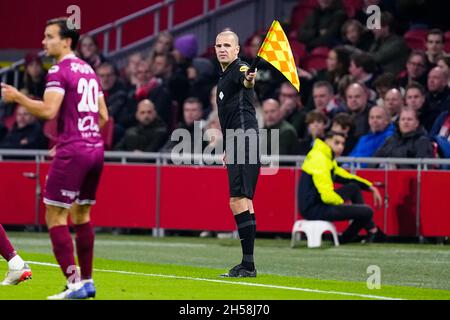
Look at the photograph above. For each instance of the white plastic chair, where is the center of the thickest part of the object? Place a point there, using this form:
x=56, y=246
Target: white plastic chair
x=313, y=230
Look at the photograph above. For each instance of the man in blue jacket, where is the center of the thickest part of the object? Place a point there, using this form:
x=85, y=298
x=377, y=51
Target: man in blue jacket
x=381, y=128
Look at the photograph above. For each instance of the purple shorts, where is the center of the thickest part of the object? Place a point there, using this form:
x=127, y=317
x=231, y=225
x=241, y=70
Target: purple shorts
x=74, y=176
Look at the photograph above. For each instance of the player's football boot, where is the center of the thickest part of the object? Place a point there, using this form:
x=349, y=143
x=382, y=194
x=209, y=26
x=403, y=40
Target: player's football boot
x=89, y=287
x=14, y=277
x=71, y=291
x=240, y=271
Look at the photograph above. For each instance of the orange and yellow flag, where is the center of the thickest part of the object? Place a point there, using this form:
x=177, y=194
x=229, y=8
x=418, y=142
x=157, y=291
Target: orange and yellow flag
x=277, y=51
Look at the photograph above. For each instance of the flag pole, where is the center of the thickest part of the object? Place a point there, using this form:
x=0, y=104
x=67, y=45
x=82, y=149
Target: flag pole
x=258, y=58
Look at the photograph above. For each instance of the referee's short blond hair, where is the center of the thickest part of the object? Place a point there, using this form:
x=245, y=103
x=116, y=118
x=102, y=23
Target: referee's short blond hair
x=230, y=33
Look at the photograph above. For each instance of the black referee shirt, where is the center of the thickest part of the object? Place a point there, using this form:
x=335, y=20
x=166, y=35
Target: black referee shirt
x=234, y=100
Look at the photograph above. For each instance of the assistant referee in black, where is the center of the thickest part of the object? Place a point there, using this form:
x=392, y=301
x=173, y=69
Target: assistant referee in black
x=237, y=117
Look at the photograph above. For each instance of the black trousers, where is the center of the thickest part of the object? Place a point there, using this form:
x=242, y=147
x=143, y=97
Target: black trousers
x=360, y=213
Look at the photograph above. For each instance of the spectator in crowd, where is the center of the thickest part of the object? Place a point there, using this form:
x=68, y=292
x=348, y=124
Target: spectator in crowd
x=116, y=98
x=438, y=98
x=384, y=5
x=338, y=63
x=381, y=128
x=129, y=74
x=163, y=45
x=389, y=50
x=339, y=98
x=198, y=71
x=201, y=77
x=173, y=79
x=149, y=135
x=363, y=68
x=26, y=133
x=415, y=96
x=34, y=78
x=273, y=120
x=292, y=108
x=323, y=25
x=150, y=87
x=268, y=78
x=192, y=119
x=185, y=49
x=416, y=69
x=317, y=123
x=444, y=63
x=323, y=97
x=343, y=123
x=393, y=101
x=357, y=104
x=89, y=51
x=355, y=35
x=411, y=140
x=383, y=83
x=435, y=47
x=440, y=133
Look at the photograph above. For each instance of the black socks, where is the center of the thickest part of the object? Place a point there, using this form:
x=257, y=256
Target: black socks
x=246, y=225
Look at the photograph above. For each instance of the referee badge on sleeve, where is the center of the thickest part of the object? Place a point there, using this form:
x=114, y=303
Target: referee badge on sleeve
x=243, y=68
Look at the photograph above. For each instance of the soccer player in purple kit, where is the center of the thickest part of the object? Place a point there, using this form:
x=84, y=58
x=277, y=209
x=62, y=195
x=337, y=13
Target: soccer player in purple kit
x=73, y=94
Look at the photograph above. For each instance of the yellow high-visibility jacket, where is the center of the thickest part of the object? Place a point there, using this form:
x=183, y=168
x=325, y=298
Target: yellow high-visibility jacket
x=319, y=172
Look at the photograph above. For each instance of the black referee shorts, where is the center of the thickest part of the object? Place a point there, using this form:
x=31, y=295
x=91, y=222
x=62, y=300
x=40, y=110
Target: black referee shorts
x=242, y=179
x=243, y=165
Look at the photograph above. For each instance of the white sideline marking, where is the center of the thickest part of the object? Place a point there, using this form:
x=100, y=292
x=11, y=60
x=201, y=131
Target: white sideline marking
x=100, y=242
x=229, y=282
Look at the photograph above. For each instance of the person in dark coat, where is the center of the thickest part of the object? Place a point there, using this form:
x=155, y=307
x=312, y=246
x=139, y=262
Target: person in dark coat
x=149, y=135
x=273, y=120
x=322, y=27
x=25, y=134
x=389, y=49
x=411, y=140
x=438, y=98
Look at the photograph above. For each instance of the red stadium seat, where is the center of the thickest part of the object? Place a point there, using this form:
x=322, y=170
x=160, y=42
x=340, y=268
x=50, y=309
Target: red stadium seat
x=447, y=46
x=352, y=6
x=314, y=62
x=447, y=42
x=107, y=133
x=299, y=15
x=298, y=50
x=418, y=33
x=415, y=43
x=416, y=39
x=10, y=120
x=447, y=36
x=321, y=51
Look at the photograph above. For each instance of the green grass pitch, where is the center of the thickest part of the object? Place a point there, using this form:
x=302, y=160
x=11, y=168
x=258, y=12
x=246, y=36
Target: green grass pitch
x=173, y=268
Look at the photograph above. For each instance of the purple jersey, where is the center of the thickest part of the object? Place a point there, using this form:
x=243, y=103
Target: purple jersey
x=78, y=119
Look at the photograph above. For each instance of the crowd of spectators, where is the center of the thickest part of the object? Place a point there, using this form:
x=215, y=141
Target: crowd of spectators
x=390, y=99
